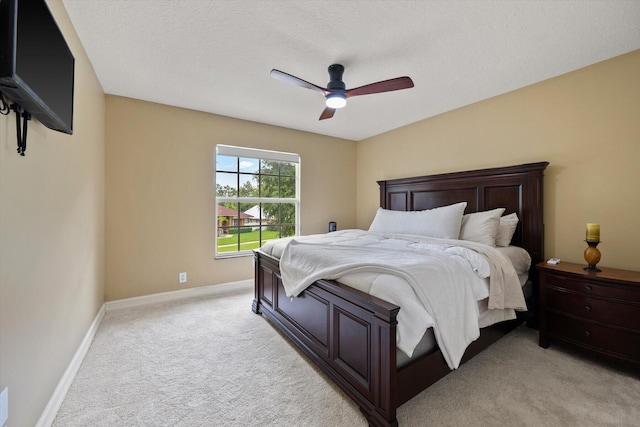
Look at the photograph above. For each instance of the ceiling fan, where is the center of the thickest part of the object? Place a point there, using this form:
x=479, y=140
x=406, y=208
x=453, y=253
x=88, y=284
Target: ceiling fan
x=336, y=93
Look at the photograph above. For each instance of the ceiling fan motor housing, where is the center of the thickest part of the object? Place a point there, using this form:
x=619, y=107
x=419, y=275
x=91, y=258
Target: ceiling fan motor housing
x=335, y=75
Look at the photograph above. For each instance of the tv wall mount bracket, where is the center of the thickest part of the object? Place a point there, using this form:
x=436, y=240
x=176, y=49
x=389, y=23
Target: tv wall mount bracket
x=21, y=127
x=21, y=130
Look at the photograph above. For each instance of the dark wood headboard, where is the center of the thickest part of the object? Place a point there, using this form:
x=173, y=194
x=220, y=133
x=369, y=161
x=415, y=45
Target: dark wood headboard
x=516, y=188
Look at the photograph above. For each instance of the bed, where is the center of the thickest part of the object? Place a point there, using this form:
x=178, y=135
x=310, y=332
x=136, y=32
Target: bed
x=351, y=335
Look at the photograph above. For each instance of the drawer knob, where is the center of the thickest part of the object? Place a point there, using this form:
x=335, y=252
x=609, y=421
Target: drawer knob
x=588, y=308
x=588, y=287
x=587, y=333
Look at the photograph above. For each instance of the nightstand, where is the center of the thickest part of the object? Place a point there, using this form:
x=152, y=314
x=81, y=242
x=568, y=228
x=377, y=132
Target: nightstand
x=598, y=313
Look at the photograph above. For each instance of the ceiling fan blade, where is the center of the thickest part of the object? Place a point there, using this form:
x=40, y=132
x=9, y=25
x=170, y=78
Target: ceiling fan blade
x=327, y=113
x=384, y=86
x=288, y=78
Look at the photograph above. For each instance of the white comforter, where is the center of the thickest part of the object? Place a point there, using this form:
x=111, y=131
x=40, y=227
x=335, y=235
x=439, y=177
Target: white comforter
x=436, y=282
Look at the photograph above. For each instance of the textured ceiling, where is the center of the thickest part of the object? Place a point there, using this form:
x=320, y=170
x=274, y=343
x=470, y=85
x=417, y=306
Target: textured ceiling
x=215, y=56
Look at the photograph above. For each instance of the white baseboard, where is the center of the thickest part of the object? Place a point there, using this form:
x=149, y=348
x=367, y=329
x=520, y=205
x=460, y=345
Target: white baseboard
x=54, y=404
x=209, y=290
x=51, y=410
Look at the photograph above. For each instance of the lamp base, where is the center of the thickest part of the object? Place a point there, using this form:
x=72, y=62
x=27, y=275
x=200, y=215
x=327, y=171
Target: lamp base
x=592, y=256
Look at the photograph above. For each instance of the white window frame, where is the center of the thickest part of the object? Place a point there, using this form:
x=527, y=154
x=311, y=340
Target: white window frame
x=254, y=153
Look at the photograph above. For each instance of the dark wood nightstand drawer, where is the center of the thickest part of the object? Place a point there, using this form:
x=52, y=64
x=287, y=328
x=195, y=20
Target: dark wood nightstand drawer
x=595, y=309
x=607, y=340
x=590, y=288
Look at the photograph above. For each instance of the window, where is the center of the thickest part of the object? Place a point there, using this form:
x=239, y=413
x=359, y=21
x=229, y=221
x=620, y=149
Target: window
x=256, y=198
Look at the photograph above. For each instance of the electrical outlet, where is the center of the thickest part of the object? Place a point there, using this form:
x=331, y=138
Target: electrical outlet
x=4, y=406
x=182, y=277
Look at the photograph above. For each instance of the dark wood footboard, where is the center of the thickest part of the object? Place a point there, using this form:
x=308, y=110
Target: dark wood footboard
x=350, y=335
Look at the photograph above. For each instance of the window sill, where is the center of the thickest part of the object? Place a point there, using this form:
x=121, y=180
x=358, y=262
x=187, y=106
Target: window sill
x=234, y=255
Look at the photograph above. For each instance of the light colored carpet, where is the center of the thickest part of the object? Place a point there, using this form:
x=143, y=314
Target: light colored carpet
x=212, y=362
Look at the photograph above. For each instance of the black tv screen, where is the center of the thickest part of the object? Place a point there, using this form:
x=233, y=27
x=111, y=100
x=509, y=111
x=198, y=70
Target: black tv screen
x=36, y=65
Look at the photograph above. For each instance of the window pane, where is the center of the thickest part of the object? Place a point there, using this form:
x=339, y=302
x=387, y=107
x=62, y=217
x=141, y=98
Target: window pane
x=270, y=167
x=227, y=163
x=226, y=184
x=288, y=169
x=228, y=238
x=269, y=233
x=270, y=213
x=249, y=165
x=269, y=186
x=227, y=214
x=245, y=207
x=288, y=214
x=252, y=212
x=287, y=231
x=287, y=187
x=249, y=238
x=247, y=187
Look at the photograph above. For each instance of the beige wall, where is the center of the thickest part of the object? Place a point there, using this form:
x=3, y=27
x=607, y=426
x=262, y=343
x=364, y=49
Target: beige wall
x=585, y=123
x=160, y=196
x=52, y=245
x=160, y=192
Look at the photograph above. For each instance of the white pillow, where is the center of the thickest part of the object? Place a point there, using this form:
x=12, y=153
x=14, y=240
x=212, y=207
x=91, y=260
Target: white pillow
x=443, y=222
x=481, y=227
x=507, y=227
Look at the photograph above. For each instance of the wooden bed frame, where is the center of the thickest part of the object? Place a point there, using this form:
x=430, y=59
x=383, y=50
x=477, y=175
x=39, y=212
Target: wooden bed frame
x=351, y=335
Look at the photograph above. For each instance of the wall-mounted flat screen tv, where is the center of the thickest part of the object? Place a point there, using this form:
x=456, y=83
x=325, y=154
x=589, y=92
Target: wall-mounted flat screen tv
x=36, y=64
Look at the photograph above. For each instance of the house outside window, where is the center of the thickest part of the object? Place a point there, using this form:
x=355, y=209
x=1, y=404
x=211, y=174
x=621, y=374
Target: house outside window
x=257, y=198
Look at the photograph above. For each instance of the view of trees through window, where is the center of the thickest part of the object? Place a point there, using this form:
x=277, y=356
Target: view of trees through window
x=256, y=202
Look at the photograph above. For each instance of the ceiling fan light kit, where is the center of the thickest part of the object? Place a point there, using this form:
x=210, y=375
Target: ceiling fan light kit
x=336, y=100
x=336, y=93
